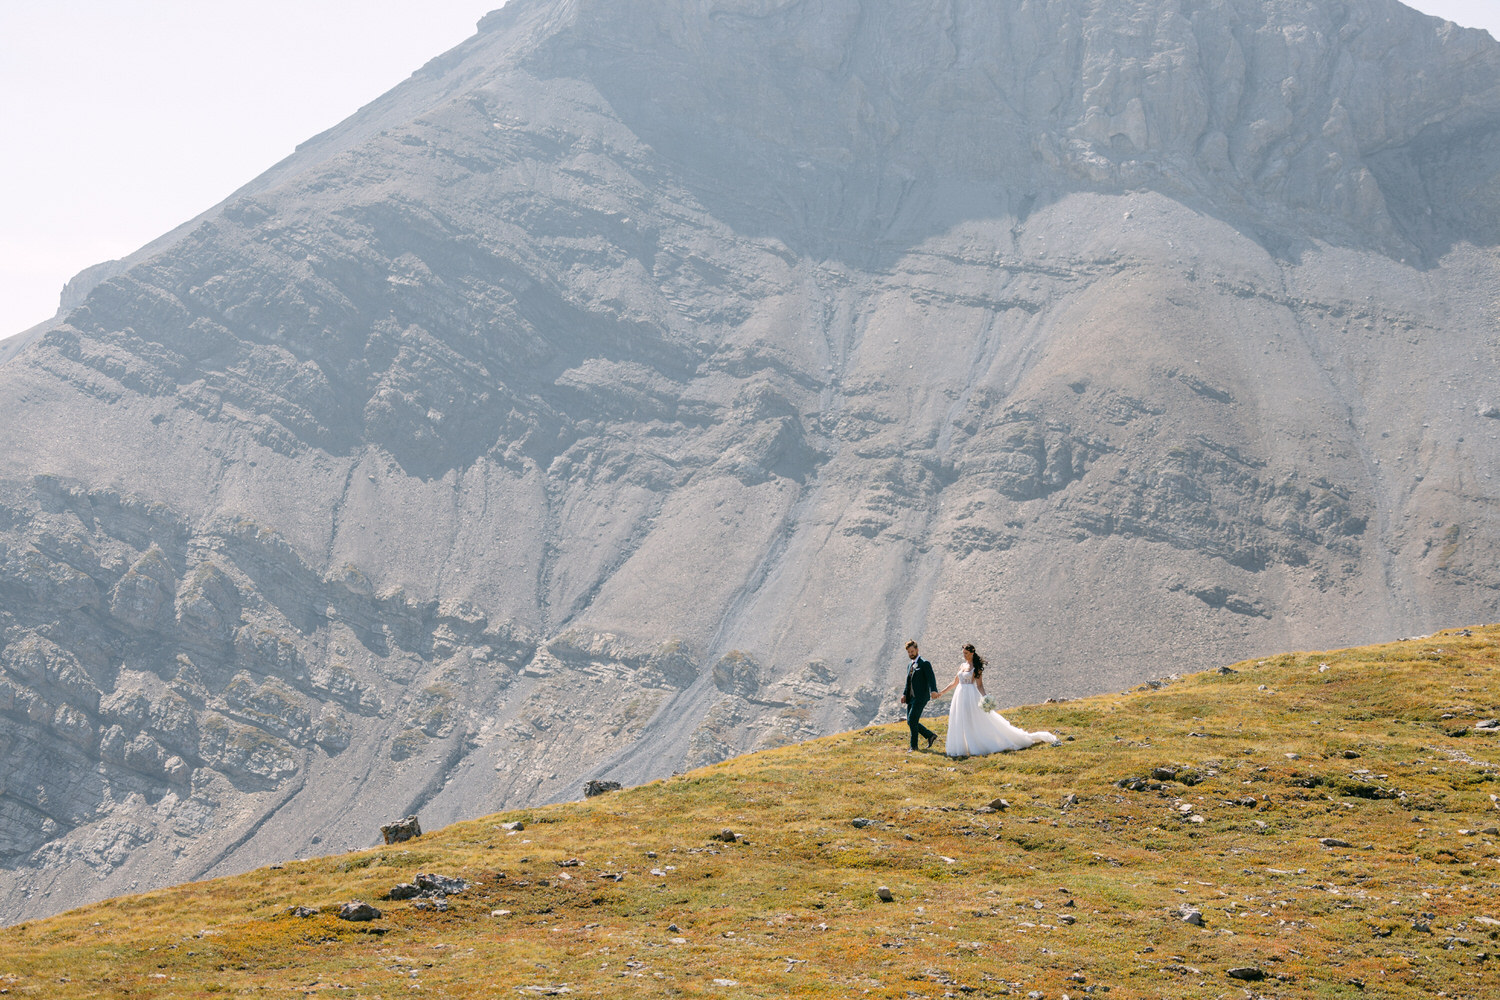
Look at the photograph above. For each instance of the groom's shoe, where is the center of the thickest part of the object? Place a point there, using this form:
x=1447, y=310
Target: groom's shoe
x=930, y=738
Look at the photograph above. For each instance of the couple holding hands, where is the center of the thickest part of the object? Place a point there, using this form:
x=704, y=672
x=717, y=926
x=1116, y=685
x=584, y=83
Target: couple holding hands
x=974, y=727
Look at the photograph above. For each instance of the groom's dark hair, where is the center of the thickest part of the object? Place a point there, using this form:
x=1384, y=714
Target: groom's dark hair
x=911, y=644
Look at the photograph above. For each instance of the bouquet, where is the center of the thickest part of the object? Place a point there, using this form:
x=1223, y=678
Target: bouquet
x=987, y=704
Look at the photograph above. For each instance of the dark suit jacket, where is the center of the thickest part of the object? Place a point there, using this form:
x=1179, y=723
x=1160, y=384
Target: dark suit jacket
x=921, y=685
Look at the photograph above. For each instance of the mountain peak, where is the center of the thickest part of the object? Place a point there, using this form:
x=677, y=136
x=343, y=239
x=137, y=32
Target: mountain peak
x=1295, y=114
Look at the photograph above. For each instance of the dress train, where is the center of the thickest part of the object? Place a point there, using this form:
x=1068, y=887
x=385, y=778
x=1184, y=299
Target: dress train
x=973, y=733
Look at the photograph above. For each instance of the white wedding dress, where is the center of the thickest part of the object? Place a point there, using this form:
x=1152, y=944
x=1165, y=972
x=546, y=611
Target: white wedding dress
x=972, y=732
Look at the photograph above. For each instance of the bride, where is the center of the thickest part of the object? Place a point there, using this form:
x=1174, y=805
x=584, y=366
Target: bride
x=971, y=729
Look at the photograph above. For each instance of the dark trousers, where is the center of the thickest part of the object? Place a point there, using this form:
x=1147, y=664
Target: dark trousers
x=914, y=720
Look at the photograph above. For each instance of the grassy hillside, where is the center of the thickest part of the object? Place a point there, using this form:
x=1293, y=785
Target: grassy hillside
x=1075, y=886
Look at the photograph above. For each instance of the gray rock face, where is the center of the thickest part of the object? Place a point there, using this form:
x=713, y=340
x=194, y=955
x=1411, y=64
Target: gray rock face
x=622, y=390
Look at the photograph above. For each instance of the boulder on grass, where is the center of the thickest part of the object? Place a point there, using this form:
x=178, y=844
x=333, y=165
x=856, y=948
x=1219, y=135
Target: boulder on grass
x=358, y=910
x=401, y=830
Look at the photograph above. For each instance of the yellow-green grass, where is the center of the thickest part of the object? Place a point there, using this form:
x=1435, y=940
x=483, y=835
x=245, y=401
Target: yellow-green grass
x=979, y=897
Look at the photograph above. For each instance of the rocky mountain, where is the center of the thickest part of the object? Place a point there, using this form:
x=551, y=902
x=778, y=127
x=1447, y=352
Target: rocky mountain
x=619, y=392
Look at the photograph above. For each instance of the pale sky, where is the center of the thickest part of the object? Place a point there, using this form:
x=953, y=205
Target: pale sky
x=124, y=118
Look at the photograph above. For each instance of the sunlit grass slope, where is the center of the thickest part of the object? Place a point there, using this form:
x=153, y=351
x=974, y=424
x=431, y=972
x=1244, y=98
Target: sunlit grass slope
x=1075, y=885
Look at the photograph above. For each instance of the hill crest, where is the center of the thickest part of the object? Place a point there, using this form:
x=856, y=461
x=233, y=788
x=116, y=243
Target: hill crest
x=1329, y=817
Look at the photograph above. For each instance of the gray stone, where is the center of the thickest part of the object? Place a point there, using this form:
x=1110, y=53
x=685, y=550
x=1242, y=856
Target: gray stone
x=444, y=885
x=1192, y=916
x=884, y=894
x=358, y=911
x=1248, y=973
x=597, y=787
x=401, y=830
x=1333, y=842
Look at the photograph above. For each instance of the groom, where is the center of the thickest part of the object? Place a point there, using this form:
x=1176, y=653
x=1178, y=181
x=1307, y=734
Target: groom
x=920, y=686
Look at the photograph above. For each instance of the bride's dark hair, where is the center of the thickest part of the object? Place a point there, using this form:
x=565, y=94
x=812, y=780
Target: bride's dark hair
x=978, y=660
